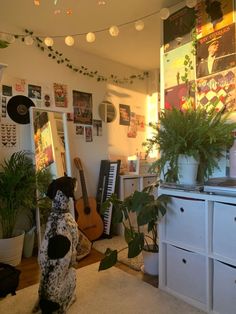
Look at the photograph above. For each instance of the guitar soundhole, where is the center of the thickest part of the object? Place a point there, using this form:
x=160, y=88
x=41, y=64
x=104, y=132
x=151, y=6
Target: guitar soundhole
x=87, y=210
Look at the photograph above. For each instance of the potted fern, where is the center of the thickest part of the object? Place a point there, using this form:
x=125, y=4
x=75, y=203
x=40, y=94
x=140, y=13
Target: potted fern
x=141, y=235
x=203, y=133
x=17, y=197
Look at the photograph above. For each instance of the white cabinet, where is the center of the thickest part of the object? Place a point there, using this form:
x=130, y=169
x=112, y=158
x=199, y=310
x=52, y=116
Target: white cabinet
x=197, y=246
x=129, y=184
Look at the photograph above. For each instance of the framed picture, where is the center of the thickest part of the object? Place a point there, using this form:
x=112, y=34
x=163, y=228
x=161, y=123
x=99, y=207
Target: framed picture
x=133, y=165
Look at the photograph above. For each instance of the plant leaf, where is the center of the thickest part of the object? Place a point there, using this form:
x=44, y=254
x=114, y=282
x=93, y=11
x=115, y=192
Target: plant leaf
x=109, y=260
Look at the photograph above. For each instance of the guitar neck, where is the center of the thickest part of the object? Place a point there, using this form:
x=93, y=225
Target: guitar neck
x=84, y=190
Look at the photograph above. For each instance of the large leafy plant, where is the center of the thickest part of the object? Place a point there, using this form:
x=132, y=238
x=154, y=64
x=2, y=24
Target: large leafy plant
x=203, y=132
x=142, y=234
x=18, y=179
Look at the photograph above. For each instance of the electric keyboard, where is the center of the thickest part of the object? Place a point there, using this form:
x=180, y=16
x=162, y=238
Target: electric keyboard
x=107, y=185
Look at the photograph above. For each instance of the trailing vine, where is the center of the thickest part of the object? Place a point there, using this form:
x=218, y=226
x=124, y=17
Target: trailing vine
x=81, y=69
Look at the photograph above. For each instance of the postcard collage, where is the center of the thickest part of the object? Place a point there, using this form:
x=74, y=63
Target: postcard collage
x=213, y=71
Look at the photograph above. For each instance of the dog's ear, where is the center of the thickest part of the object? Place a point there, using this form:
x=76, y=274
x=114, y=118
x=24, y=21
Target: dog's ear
x=51, y=192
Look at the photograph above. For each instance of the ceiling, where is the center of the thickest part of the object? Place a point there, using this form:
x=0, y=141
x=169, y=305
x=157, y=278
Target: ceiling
x=138, y=49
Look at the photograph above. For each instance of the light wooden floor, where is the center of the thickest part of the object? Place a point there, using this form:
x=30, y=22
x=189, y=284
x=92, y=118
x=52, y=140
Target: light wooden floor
x=30, y=270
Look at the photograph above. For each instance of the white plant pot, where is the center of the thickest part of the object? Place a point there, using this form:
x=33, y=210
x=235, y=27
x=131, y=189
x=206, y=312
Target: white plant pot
x=11, y=250
x=29, y=243
x=151, y=262
x=188, y=167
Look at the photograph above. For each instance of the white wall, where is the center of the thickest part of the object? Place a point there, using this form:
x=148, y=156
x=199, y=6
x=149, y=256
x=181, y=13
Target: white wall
x=29, y=63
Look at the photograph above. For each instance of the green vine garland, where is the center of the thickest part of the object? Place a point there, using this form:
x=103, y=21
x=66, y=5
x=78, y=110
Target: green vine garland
x=82, y=70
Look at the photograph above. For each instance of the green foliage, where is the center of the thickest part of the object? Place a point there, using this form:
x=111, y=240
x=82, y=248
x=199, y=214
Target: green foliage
x=3, y=44
x=148, y=210
x=18, y=189
x=204, y=133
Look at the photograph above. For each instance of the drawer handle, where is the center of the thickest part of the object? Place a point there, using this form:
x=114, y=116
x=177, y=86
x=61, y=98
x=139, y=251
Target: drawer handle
x=184, y=261
x=234, y=218
x=132, y=184
x=181, y=209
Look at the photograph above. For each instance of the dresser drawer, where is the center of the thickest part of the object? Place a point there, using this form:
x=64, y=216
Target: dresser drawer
x=224, y=288
x=224, y=230
x=130, y=185
x=186, y=273
x=185, y=222
x=148, y=181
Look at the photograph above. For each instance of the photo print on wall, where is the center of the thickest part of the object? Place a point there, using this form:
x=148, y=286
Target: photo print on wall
x=34, y=91
x=97, y=127
x=7, y=90
x=83, y=107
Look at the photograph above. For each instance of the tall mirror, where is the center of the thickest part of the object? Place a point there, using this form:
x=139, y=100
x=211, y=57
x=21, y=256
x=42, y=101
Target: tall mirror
x=107, y=111
x=51, y=150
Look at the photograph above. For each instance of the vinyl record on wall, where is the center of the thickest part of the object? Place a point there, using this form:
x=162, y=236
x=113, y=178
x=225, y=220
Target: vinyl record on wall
x=18, y=109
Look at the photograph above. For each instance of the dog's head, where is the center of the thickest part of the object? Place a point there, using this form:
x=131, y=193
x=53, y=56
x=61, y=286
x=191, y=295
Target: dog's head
x=65, y=184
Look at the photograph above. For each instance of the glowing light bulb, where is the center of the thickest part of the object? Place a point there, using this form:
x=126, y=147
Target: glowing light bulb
x=29, y=40
x=164, y=13
x=69, y=40
x=139, y=25
x=48, y=41
x=114, y=31
x=90, y=37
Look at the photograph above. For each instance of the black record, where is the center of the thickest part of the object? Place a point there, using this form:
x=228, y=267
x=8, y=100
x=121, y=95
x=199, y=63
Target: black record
x=18, y=109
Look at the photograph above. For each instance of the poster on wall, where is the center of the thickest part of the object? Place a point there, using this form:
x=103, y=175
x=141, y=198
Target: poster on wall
x=216, y=52
x=176, y=96
x=79, y=130
x=60, y=95
x=19, y=85
x=178, y=27
x=174, y=65
x=140, y=122
x=213, y=15
x=124, y=114
x=88, y=133
x=6, y=90
x=9, y=135
x=43, y=141
x=83, y=107
x=218, y=88
x=4, y=106
x=132, y=128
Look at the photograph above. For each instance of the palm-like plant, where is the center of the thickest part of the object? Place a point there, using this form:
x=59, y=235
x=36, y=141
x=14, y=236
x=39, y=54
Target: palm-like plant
x=204, y=133
x=18, y=179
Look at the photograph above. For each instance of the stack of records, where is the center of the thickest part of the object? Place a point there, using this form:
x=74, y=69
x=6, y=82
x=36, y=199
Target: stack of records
x=184, y=187
x=221, y=186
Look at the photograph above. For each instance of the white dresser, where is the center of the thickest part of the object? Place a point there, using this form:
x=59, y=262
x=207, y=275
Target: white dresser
x=129, y=184
x=197, y=239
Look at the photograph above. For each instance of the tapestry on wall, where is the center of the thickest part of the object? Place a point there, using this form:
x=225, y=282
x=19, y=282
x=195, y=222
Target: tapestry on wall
x=83, y=107
x=213, y=15
x=216, y=51
x=219, y=87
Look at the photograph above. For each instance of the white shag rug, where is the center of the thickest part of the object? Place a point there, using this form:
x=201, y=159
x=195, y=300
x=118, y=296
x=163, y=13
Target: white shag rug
x=118, y=243
x=110, y=291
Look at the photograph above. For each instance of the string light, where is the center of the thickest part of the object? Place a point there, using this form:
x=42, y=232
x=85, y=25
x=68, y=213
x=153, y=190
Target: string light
x=191, y=3
x=69, y=40
x=90, y=37
x=139, y=25
x=48, y=41
x=29, y=40
x=114, y=31
x=164, y=13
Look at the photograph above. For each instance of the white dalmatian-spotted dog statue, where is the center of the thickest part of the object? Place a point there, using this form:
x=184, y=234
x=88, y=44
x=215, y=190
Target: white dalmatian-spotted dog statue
x=57, y=253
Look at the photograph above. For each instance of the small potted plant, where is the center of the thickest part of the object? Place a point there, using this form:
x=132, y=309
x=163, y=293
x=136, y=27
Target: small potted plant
x=141, y=235
x=18, y=178
x=203, y=133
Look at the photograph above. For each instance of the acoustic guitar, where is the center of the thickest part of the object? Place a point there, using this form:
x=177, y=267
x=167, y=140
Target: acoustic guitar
x=89, y=221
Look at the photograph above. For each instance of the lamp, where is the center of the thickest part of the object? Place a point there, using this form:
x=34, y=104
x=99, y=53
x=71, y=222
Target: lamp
x=69, y=40
x=90, y=37
x=191, y=3
x=139, y=25
x=164, y=13
x=114, y=31
x=48, y=41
